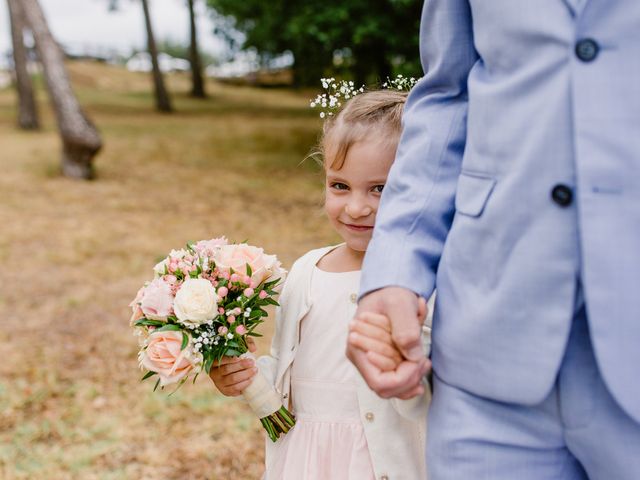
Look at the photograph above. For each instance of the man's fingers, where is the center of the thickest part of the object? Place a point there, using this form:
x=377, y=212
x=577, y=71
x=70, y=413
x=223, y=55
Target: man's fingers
x=402, y=310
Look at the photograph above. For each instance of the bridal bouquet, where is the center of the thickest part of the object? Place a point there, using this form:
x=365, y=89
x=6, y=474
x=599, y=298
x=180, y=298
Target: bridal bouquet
x=203, y=303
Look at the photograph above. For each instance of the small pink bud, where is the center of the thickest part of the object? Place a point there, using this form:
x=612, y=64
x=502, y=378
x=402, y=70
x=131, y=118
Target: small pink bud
x=170, y=278
x=248, y=292
x=241, y=329
x=246, y=280
x=231, y=319
x=262, y=295
x=254, y=284
x=222, y=292
x=235, y=278
x=221, y=311
x=237, y=311
x=223, y=330
x=224, y=274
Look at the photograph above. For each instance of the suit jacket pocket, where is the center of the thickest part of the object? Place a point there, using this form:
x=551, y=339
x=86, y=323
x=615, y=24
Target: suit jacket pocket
x=472, y=193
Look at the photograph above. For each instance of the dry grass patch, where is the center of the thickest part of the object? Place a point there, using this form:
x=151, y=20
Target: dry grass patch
x=74, y=253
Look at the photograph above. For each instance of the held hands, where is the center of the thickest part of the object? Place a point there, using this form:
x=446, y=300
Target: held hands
x=385, y=342
x=233, y=374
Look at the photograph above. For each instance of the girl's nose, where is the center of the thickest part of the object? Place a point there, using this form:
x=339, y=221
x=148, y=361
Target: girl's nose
x=357, y=208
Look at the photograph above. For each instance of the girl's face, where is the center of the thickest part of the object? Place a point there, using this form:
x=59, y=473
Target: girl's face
x=353, y=192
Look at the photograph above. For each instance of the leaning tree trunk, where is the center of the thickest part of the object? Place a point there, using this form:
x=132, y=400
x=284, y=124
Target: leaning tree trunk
x=27, y=108
x=80, y=139
x=197, y=83
x=163, y=103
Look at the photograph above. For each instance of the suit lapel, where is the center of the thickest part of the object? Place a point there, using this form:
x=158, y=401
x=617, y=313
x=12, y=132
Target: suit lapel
x=575, y=6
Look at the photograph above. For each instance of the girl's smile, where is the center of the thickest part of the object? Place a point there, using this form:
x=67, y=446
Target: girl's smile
x=353, y=191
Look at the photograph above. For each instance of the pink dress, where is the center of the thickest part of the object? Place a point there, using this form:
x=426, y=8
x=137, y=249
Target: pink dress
x=328, y=440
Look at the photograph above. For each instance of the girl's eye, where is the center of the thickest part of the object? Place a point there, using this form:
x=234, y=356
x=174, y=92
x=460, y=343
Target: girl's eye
x=339, y=186
x=378, y=188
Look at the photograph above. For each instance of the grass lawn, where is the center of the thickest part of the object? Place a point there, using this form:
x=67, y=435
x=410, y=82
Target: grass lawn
x=73, y=254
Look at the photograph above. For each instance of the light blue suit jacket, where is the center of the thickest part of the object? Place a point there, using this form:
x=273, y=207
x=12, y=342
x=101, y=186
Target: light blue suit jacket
x=507, y=111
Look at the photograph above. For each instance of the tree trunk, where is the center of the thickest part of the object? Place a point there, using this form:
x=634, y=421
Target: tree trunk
x=197, y=83
x=27, y=108
x=80, y=139
x=163, y=103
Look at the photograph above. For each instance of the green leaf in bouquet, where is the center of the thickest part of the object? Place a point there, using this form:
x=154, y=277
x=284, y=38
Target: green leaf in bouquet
x=253, y=334
x=249, y=271
x=231, y=352
x=148, y=323
x=208, y=362
x=185, y=340
x=169, y=327
x=156, y=386
x=271, y=301
x=148, y=375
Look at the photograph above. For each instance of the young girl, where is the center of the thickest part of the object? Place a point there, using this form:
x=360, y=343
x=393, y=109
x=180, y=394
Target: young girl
x=343, y=430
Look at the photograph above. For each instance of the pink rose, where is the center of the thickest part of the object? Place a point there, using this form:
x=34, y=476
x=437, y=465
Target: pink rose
x=241, y=329
x=136, y=301
x=208, y=248
x=237, y=257
x=136, y=315
x=157, y=300
x=164, y=356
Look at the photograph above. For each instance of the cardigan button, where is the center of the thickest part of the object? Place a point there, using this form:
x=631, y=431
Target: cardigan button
x=354, y=298
x=384, y=477
x=369, y=416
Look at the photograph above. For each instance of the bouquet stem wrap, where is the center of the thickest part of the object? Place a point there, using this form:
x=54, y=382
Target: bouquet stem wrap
x=266, y=403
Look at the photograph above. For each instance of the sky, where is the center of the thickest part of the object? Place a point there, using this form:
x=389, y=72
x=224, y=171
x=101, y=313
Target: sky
x=87, y=25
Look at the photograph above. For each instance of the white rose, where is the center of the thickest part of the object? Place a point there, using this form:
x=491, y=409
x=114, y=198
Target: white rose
x=196, y=302
x=161, y=267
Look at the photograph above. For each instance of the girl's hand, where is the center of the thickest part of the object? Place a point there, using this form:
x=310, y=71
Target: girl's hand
x=371, y=332
x=233, y=374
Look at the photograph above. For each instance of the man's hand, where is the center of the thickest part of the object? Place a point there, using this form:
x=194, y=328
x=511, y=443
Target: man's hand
x=404, y=311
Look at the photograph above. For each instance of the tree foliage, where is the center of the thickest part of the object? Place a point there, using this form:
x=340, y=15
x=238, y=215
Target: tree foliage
x=371, y=39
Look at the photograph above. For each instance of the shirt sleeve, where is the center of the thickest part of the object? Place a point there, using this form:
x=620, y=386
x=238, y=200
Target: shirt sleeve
x=417, y=203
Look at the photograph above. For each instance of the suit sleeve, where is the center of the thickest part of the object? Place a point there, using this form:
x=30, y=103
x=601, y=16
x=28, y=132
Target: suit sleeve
x=417, y=204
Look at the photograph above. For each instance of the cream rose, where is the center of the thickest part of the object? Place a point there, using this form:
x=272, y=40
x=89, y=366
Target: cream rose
x=164, y=356
x=196, y=302
x=237, y=257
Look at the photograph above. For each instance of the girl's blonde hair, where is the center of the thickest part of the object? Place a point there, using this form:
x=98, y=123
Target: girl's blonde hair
x=376, y=114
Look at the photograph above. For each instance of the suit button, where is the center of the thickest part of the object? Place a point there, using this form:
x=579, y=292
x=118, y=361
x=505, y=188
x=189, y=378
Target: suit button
x=587, y=49
x=562, y=195
x=369, y=416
